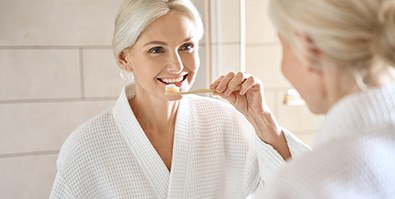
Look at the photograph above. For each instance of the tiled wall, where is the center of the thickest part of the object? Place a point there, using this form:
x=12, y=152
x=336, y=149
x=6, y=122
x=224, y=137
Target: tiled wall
x=57, y=71
x=263, y=57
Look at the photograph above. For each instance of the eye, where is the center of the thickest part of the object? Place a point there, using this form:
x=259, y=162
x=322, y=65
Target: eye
x=156, y=50
x=187, y=47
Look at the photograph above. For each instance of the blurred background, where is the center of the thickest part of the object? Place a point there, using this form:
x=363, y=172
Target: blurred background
x=57, y=71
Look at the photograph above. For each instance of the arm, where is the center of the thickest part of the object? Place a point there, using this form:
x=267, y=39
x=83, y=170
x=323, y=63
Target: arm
x=245, y=92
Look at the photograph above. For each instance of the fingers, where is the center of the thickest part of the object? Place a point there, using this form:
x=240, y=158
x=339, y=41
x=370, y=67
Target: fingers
x=247, y=85
x=215, y=84
x=232, y=82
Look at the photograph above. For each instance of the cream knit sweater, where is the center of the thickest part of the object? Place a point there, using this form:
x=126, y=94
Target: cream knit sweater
x=216, y=154
x=354, y=156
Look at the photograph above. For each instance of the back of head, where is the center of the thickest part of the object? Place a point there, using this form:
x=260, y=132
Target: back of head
x=357, y=35
x=135, y=15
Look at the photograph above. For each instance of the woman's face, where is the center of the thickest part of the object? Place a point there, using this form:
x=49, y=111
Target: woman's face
x=307, y=80
x=165, y=53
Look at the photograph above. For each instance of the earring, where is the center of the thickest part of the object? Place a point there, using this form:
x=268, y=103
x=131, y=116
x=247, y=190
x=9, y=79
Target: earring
x=127, y=76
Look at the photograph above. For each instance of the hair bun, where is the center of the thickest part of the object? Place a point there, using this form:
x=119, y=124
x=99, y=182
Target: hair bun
x=386, y=37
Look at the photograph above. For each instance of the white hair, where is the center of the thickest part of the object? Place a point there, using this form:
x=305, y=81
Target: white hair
x=357, y=35
x=135, y=15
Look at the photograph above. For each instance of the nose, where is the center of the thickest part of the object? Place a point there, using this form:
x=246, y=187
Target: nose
x=174, y=64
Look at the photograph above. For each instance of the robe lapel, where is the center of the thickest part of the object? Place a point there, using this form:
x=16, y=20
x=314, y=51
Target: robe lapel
x=149, y=160
x=181, y=150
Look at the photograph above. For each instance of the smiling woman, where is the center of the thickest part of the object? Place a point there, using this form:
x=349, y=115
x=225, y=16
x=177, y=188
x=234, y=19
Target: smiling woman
x=168, y=50
x=153, y=145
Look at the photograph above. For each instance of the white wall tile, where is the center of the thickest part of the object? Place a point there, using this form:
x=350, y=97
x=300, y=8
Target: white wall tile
x=39, y=73
x=306, y=136
x=42, y=126
x=225, y=21
x=264, y=62
x=202, y=78
x=200, y=6
x=226, y=58
x=27, y=177
x=297, y=118
x=101, y=74
x=270, y=97
x=259, y=29
x=57, y=22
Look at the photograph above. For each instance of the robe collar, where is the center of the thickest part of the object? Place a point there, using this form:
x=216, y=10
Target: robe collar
x=359, y=114
x=149, y=160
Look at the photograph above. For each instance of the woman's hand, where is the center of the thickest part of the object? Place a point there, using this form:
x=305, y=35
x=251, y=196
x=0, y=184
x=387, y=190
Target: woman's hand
x=245, y=92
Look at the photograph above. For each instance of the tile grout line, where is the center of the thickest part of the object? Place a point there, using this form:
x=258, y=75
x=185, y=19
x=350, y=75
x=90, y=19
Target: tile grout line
x=53, y=47
x=81, y=60
x=22, y=101
x=28, y=154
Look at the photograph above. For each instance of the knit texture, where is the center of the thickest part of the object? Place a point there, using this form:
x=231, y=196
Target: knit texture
x=214, y=155
x=354, y=155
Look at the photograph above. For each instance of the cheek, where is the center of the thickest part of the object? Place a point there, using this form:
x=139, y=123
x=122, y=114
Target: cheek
x=192, y=62
x=287, y=67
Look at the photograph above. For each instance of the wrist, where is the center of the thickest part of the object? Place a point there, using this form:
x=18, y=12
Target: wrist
x=266, y=126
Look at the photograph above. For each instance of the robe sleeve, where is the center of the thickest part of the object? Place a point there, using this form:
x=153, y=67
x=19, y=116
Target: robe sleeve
x=270, y=161
x=60, y=189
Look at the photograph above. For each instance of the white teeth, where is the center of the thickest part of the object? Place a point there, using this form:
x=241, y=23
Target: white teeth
x=170, y=81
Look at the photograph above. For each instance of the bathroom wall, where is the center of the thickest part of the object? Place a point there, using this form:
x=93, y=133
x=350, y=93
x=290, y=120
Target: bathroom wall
x=263, y=58
x=57, y=71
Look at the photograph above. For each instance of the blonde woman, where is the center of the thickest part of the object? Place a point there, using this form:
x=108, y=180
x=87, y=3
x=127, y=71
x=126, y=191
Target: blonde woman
x=152, y=145
x=340, y=56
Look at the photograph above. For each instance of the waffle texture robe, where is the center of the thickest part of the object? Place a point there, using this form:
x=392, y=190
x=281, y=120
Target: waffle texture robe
x=354, y=153
x=216, y=154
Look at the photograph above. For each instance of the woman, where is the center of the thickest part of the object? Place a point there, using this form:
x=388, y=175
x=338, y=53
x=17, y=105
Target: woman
x=152, y=145
x=340, y=56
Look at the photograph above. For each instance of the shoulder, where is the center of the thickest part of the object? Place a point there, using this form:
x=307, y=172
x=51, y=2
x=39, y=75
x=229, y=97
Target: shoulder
x=219, y=112
x=216, y=116
x=341, y=169
x=204, y=105
x=88, y=137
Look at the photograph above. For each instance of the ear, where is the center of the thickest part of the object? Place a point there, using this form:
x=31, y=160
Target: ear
x=123, y=59
x=311, y=53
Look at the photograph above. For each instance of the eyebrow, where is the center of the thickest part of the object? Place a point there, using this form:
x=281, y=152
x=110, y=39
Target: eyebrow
x=164, y=43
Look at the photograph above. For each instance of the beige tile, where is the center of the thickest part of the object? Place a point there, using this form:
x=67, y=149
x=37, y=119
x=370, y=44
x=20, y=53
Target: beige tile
x=39, y=74
x=259, y=28
x=264, y=62
x=201, y=7
x=202, y=78
x=306, y=136
x=101, y=74
x=297, y=118
x=47, y=22
x=225, y=21
x=27, y=177
x=270, y=97
x=42, y=126
x=226, y=58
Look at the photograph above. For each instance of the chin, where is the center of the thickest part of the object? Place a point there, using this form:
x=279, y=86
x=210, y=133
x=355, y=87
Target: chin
x=318, y=109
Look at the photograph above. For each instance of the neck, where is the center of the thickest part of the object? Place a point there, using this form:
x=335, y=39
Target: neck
x=343, y=84
x=154, y=114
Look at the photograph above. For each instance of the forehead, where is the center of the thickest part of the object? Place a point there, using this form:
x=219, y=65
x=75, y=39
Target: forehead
x=174, y=26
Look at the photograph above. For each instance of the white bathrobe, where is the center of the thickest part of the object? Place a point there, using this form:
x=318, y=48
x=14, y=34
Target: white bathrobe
x=354, y=153
x=216, y=154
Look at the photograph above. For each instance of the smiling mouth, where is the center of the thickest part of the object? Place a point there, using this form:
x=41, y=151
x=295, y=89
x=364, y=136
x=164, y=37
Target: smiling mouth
x=176, y=81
